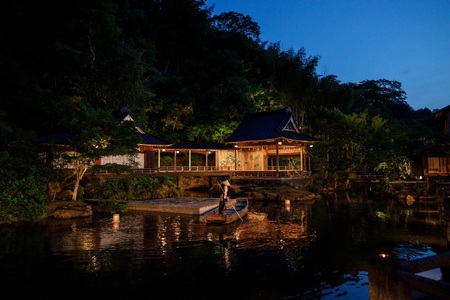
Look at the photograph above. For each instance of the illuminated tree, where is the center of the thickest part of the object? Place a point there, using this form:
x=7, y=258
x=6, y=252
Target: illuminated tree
x=96, y=133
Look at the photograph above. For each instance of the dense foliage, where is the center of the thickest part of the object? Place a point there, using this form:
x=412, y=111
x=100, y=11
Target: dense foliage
x=133, y=187
x=186, y=75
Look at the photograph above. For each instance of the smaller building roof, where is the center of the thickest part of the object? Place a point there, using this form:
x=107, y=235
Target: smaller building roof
x=61, y=138
x=200, y=146
x=147, y=139
x=66, y=139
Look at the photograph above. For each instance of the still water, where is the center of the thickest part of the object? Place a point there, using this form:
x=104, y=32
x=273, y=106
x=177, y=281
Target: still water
x=297, y=250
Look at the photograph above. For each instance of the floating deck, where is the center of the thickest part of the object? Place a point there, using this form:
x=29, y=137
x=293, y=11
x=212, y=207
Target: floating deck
x=184, y=205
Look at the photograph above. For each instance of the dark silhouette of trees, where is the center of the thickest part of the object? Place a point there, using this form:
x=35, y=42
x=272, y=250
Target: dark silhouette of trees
x=187, y=75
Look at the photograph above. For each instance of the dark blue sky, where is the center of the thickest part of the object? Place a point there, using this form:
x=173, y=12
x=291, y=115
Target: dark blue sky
x=356, y=40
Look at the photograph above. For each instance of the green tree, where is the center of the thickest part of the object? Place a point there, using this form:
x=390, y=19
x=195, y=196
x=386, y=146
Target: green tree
x=385, y=97
x=237, y=22
x=96, y=133
x=22, y=182
x=355, y=142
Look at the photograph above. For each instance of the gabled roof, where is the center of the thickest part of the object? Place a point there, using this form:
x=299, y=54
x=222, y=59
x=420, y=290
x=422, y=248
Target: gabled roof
x=267, y=126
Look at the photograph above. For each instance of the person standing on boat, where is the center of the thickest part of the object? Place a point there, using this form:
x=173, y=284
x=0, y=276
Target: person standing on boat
x=224, y=197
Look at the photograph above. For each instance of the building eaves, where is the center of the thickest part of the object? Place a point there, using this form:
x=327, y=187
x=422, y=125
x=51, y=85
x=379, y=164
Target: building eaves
x=199, y=146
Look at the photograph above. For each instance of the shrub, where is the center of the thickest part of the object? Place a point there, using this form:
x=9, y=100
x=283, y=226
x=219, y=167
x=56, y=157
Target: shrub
x=23, y=200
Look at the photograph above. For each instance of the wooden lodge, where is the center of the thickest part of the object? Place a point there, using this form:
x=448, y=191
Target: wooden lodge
x=264, y=144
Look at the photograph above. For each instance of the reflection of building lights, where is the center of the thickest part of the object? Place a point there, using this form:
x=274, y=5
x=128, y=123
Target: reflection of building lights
x=176, y=225
x=116, y=221
x=226, y=258
x=116, y=218
x=287, y=205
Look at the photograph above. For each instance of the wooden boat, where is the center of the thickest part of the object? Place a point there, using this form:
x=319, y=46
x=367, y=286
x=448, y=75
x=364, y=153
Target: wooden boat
x=235, y=210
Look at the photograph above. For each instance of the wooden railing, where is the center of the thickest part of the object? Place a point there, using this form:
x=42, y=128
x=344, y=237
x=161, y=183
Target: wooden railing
x=397, y=280
x=214, y=170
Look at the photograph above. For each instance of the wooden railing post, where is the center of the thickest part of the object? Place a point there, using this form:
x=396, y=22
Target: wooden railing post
x=398, y=279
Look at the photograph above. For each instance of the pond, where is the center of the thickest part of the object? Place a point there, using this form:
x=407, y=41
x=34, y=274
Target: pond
x=282, y=250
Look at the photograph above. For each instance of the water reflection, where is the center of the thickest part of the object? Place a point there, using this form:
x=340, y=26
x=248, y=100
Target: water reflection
x=283, y=250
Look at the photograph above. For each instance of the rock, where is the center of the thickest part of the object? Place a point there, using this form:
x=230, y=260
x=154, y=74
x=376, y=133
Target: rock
x=67, y=212
x=279, y=193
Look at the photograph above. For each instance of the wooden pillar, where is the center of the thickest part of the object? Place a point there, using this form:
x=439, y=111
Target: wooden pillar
x=190, y=153
x=175, y=161
x=235, y=159
x=159, y=159
x=278, y=159
x=302, y=153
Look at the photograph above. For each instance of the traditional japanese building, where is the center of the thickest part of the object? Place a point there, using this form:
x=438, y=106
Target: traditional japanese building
x=262, y=139
x=266, y=141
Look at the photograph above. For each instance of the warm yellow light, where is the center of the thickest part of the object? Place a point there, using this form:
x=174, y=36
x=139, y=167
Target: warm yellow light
x=164, y=150
x=116, y=218
x=311, y=145
x=235, y=146
x=383, y=255
x=279, y=143
x=178, y=151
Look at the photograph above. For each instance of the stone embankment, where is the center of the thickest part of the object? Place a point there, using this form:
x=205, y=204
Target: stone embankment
x=281, y=193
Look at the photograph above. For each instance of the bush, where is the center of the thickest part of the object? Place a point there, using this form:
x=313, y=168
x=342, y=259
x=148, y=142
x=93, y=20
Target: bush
x=116, y=207
x=23, y=200
x=134, y=187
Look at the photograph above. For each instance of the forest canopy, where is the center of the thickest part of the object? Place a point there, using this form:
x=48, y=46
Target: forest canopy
x=189, y=75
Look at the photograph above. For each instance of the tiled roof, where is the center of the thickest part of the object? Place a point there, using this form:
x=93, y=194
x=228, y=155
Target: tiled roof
x=67, y=139
x=61, y=138
x=200, y=146
x=148, y=139
x=268, y=125
x=255, y=127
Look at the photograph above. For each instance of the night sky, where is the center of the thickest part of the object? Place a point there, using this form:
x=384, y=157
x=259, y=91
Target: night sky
x=356, y=40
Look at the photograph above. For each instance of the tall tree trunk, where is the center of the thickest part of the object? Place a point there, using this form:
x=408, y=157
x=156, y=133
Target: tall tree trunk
x=78, y=176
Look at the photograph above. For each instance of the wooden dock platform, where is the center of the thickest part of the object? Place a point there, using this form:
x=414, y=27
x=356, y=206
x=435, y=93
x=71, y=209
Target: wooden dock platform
x=183, y=205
